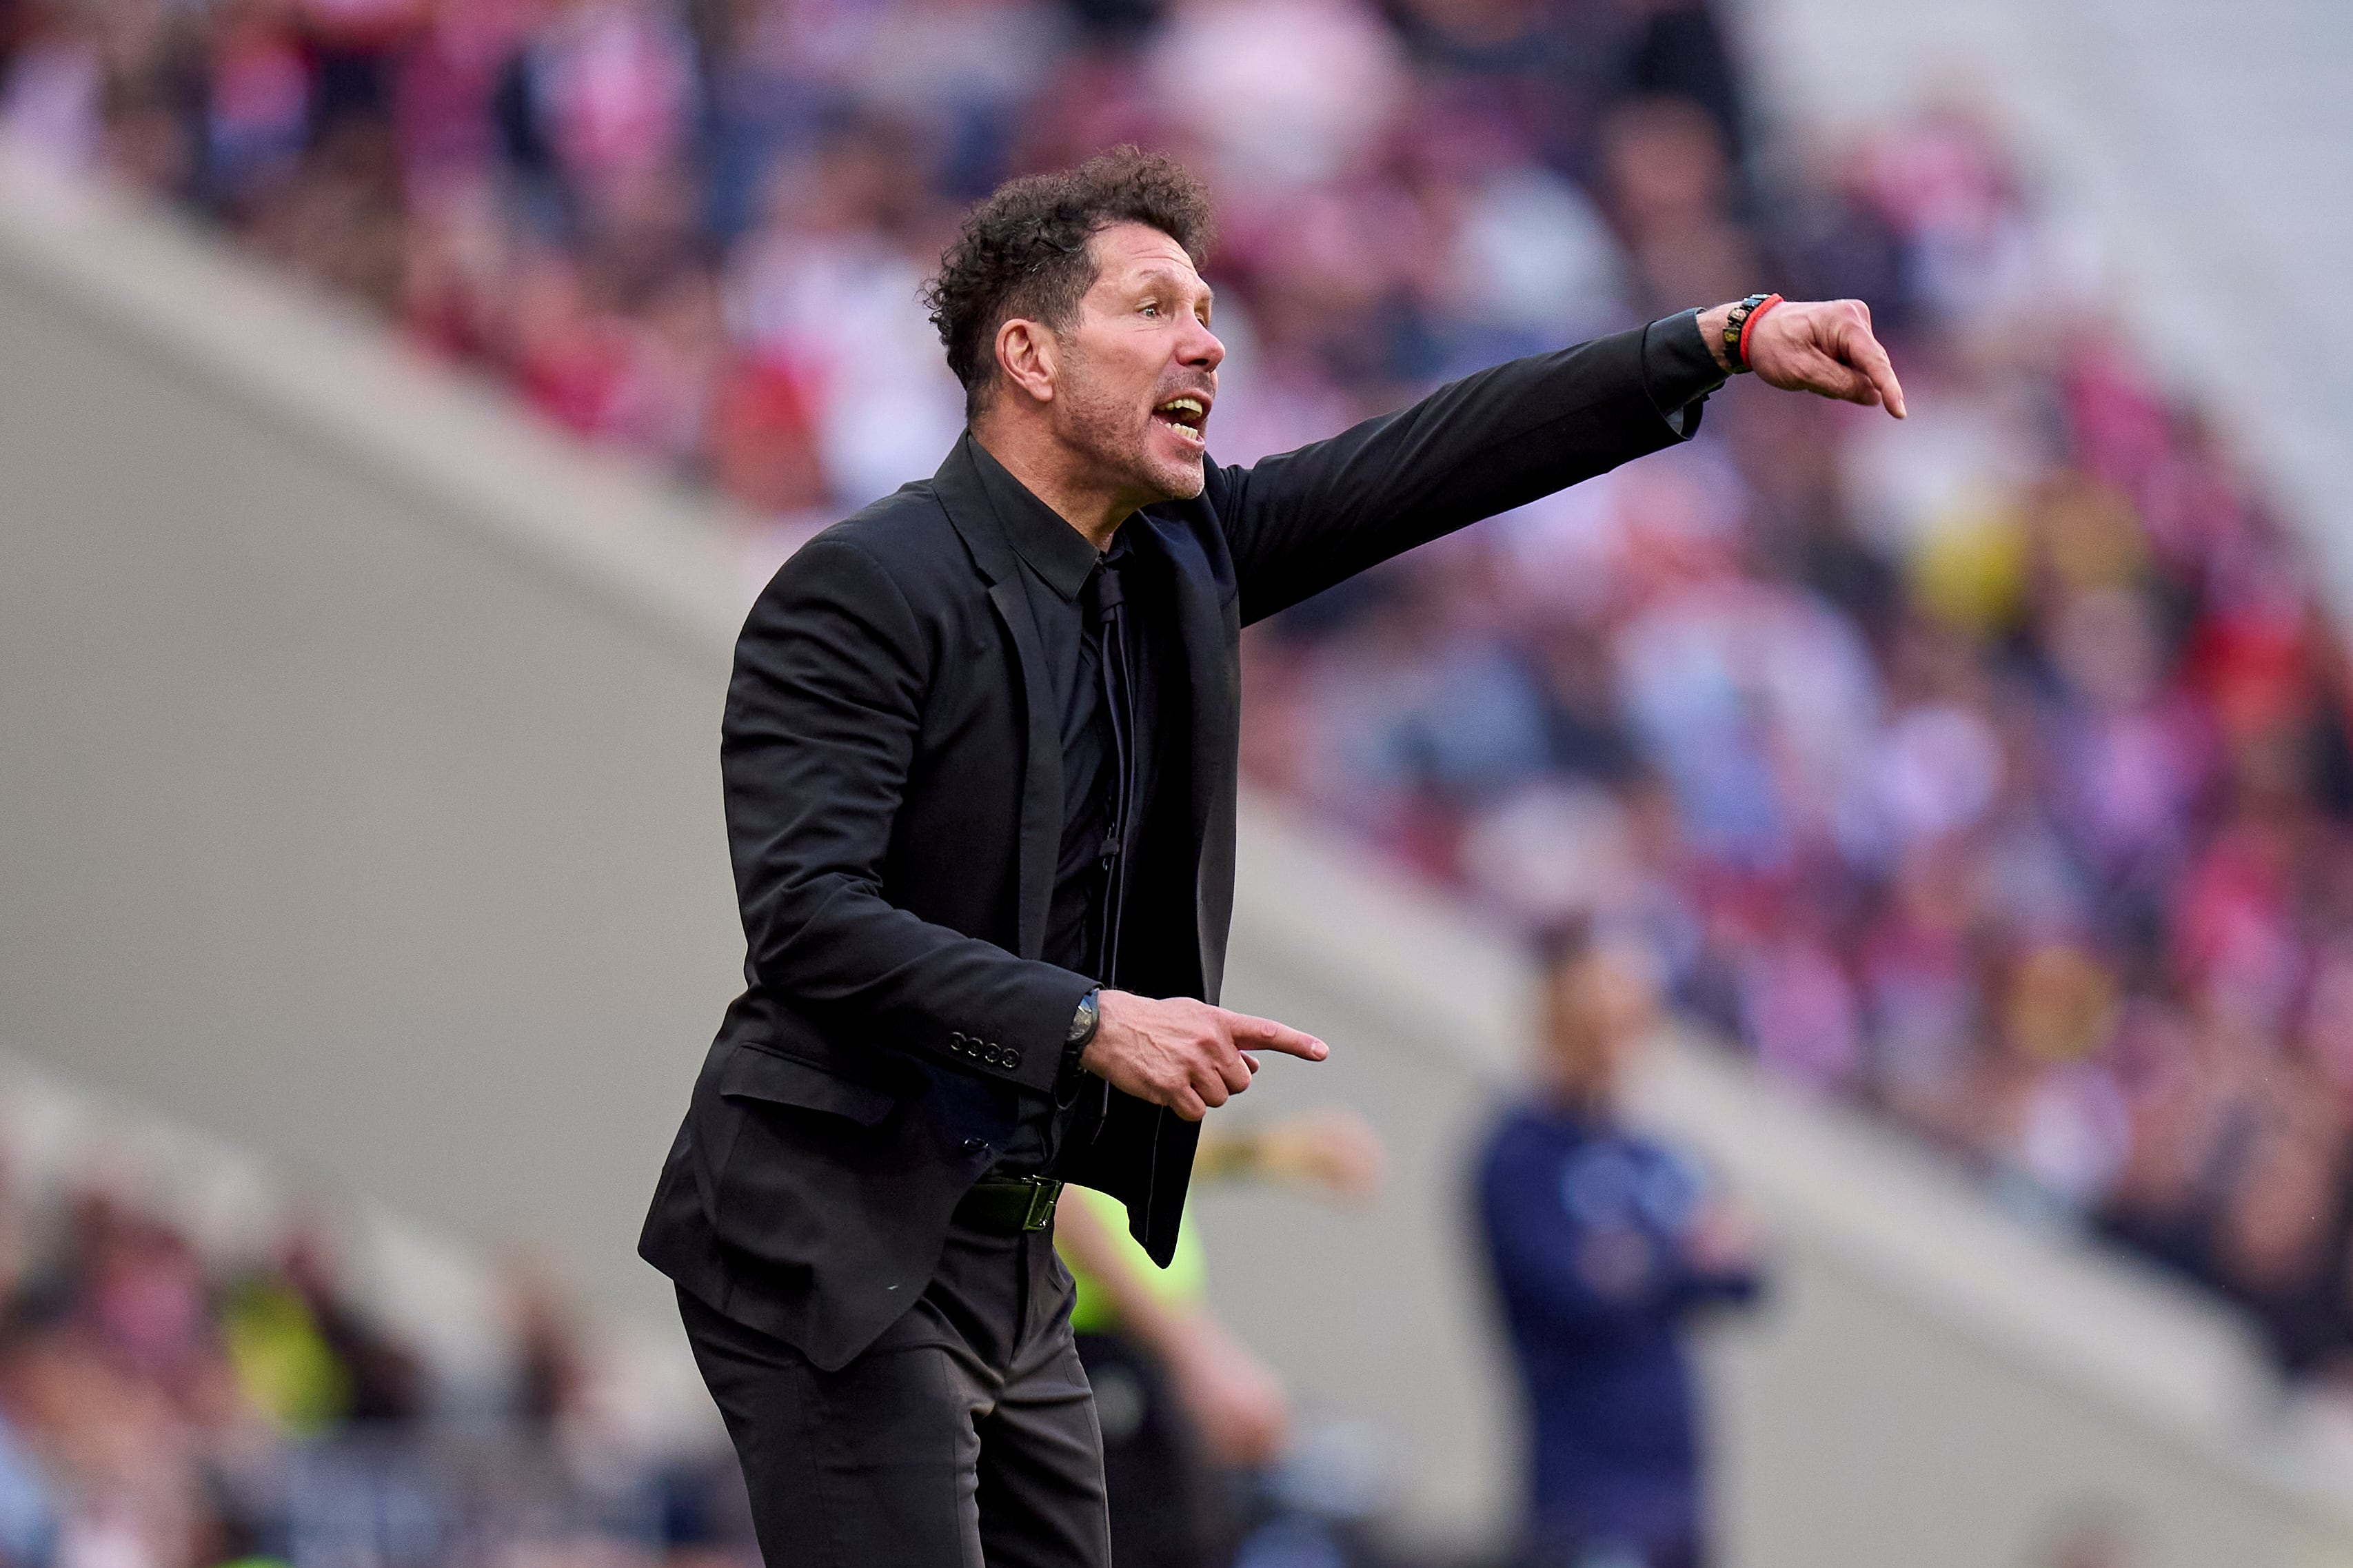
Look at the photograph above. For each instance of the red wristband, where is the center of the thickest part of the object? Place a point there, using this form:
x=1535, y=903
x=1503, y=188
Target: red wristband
x=1740, y=352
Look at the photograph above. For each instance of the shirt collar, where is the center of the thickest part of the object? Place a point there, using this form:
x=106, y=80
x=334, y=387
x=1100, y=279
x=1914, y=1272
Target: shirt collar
x=1058, y=552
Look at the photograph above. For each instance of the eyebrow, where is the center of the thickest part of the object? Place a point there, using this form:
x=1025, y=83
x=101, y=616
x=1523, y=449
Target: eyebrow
x=1164, y=275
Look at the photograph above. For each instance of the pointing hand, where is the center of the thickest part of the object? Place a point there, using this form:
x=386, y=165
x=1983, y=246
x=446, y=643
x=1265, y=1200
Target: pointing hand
x=1824, y=347
x=1183, y=1054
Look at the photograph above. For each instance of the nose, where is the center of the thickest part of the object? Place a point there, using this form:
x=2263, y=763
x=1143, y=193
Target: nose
x=1201, y=350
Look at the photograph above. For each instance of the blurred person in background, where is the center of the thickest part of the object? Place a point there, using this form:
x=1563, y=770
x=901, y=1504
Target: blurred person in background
x=1184, y=1405
x=979, y=754
x=1603, y=1243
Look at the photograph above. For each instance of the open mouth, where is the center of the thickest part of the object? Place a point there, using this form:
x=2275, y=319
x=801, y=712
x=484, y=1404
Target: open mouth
x=1186, y=416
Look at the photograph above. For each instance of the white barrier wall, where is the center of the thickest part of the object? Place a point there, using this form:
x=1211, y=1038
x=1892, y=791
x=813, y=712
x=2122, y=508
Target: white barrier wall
x=360, y=806
x=360, y=795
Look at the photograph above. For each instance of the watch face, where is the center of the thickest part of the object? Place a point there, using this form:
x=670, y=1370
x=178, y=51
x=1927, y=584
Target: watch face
x=1082, y=1022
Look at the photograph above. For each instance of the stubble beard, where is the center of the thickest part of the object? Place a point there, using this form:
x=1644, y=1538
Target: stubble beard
x=1101, y=423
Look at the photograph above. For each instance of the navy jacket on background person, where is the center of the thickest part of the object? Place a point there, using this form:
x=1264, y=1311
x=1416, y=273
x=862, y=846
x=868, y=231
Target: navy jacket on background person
x=1584, y=1224
x=892, y=757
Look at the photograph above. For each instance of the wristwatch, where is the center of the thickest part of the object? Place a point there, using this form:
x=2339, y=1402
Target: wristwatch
x=1735, y=330
x=1084, y=1022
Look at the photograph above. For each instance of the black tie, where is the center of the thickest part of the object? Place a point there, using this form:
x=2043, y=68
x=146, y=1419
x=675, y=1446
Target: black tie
x=1107, y=606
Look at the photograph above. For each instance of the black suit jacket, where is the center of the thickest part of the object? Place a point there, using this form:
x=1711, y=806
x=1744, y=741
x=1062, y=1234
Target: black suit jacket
x=893, y=766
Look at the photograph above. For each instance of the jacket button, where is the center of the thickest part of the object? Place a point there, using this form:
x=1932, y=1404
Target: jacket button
x=976, y=1145
x=1012, y=1059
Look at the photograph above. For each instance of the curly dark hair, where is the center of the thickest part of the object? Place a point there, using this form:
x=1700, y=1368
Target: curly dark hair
x=1023, y=252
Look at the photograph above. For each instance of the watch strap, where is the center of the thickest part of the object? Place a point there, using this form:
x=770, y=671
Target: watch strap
x=1084, y=1023
x=1735, y=330
x=1086, y=1020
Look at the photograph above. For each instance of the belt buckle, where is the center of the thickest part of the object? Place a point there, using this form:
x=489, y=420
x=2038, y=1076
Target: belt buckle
x=1043, y=1194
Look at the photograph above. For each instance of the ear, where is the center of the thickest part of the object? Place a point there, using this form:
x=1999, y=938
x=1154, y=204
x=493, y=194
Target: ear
x=1028, y=355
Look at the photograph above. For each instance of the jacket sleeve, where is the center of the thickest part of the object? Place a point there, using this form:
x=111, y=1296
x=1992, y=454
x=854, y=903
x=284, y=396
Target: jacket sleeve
x=1300, y=522
x=822, y=718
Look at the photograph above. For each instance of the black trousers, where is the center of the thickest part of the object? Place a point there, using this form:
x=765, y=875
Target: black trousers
x=964, y=1437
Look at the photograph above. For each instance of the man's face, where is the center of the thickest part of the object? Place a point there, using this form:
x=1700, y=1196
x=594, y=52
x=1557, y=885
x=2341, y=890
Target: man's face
x=1139, y=368
x=1601, y=1010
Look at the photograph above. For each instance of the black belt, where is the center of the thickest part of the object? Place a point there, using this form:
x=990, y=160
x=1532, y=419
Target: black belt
x=1007, y=1205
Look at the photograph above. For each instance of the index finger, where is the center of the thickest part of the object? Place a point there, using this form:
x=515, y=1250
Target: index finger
x=1867, y=355
x=1267, y=1034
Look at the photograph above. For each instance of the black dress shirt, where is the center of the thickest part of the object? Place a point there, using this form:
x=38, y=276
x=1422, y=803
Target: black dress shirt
x=1108, y=752
x=1095, y=625
x=1071, y=587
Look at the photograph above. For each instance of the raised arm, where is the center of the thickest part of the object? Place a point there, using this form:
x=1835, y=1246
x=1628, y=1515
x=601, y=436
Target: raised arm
x=1299, y=522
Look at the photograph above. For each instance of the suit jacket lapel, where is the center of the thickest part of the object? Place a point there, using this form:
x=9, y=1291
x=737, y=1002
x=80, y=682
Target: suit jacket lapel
x=957, y=485
x=1209, y=622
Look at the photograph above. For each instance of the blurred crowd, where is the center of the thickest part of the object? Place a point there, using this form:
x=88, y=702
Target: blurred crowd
x=1991, y=770
x=163, y=1407
x=696, y=229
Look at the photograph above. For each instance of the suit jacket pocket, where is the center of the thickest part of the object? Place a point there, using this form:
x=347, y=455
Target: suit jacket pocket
x=751, y=1073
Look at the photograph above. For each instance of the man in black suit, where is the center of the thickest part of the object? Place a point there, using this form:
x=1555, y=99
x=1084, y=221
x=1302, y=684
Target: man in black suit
x=979, y=754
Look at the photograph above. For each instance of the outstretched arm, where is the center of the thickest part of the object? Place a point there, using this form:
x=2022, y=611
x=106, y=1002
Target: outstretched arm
x=1299, y=522
x=1331, y=1152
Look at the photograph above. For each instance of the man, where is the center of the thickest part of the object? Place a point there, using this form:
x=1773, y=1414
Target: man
x=979, y=754
x=1602, y=1243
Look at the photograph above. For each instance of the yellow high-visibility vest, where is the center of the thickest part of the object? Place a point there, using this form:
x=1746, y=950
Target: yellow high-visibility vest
x=1182, y=1283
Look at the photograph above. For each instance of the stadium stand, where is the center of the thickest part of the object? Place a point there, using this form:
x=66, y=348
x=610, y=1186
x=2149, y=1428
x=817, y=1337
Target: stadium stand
x=1934, y=666
x=201, y=1365
x=231, y=511
x=1991, y=771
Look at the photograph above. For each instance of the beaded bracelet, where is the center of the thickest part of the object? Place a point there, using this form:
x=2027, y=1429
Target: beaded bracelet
x=1735, y=329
